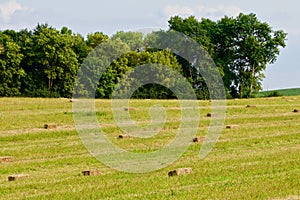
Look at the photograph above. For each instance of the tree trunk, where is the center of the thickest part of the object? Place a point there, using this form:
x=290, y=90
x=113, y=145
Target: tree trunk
x=252, y=79
x=240, y=91
x=241, y=83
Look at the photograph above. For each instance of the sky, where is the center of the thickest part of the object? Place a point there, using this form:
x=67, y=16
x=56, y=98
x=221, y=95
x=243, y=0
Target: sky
x=111, y=16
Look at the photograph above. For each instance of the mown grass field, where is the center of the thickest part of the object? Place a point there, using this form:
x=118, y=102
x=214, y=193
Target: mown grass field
x=283, y=92
x=260, y=159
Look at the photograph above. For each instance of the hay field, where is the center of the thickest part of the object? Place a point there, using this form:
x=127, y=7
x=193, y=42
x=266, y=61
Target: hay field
x=257, y=158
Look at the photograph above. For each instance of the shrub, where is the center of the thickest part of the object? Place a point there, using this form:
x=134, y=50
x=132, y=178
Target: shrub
x=274, y=94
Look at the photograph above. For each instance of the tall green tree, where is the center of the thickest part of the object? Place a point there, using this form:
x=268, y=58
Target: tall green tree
x=133, y=39
x=97, y=77
x=94, y=39
x=241, y=47
x=256, y=45
x=79, y=45
x=160, y=63
x=198, y=30
x=187, y=52
x=10, y=71
x=52, y=63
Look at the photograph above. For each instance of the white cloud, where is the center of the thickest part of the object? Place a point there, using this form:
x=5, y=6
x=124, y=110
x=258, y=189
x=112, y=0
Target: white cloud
x=201, y=11
x=178, y=10
x=9, y=8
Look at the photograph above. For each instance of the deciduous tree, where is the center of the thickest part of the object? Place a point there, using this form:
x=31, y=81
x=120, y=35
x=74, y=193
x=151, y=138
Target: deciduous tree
x=10, y=71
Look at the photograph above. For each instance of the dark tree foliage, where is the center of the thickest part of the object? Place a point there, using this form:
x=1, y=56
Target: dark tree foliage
x=241, y=47
x=44, y=62
x=11, y=72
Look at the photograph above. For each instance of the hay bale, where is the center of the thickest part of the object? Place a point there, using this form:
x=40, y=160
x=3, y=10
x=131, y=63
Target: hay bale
x=211, y=115
x=128, y=109
x=91, y=172
x=17, y=177
x=50, y=126
x=296, y=111
x=251, y=106
x=74, y=100
x=123, y=136
x=6, y=159
x=232, y=126
x=180, y=171
x=198, y=139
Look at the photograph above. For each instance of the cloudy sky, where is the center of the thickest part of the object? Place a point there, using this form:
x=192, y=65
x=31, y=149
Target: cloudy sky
x=113, y=15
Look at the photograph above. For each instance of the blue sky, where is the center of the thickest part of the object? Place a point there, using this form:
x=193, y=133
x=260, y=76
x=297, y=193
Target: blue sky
x=113, y=15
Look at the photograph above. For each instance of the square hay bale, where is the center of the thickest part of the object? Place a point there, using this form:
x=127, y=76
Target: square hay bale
x=180, y=171
x=123, y=136
x=91, y=172
x=17, y=177
x=232, y=126
x=128, y=109
x=74, y=100
x=211, y=115
x=198, y=139
x=251, y=106
x=6, y=159
x=50, y=126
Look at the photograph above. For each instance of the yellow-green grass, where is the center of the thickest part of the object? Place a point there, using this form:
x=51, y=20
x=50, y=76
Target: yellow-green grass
x=260, y=159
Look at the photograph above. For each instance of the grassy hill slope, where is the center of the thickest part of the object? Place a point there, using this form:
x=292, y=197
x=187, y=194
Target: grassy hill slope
x=283, y=92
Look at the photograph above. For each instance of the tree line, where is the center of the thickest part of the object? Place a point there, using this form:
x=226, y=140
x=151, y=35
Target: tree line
x=44, y=62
